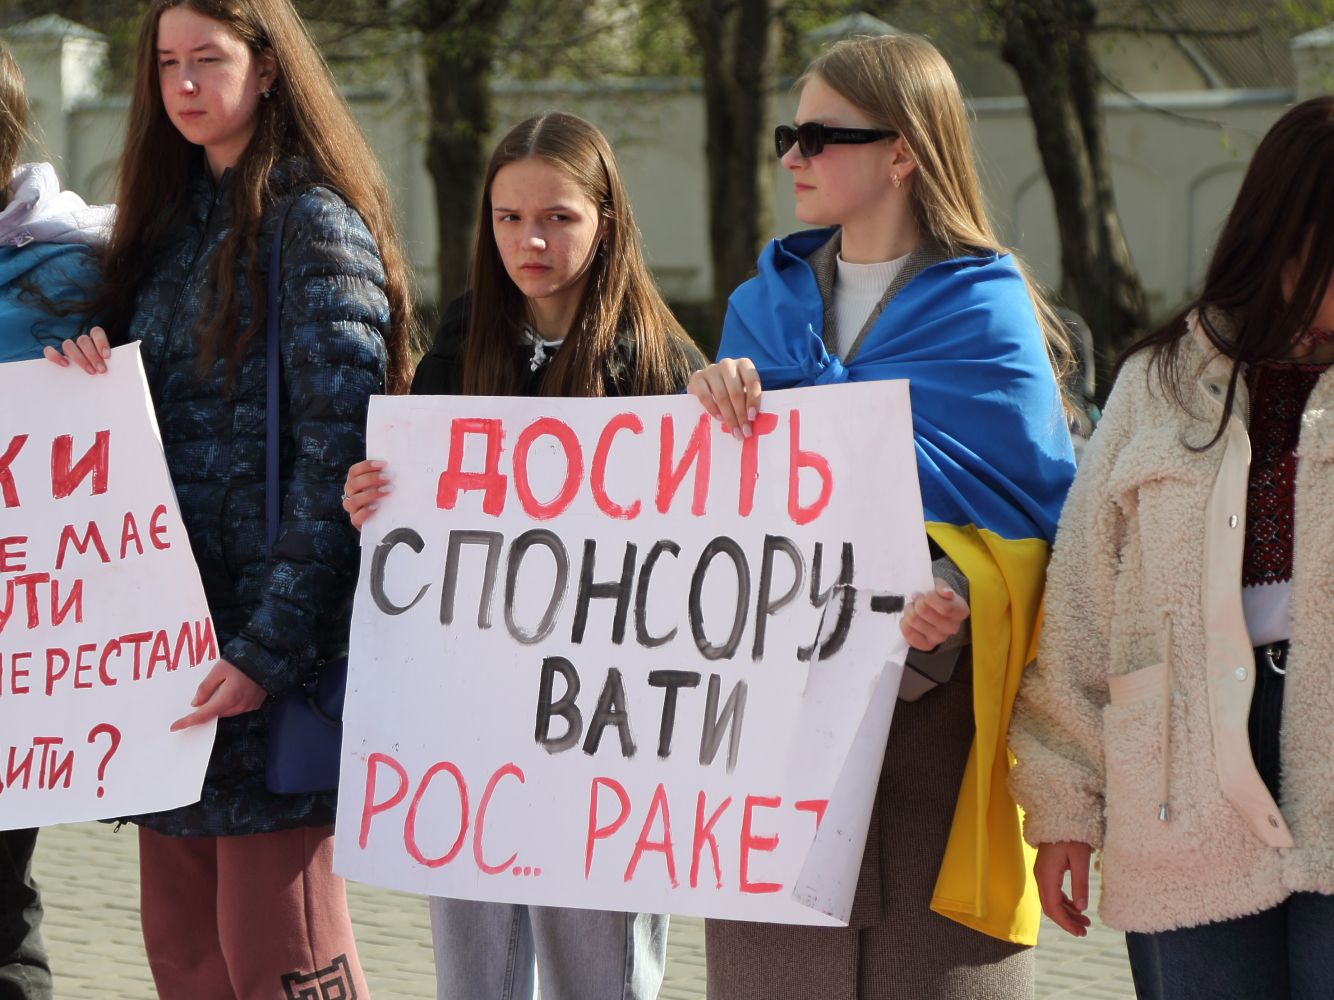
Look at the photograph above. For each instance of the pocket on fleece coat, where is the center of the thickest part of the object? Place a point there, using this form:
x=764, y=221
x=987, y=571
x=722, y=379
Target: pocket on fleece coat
x=1149, y=823
x=1125, y=689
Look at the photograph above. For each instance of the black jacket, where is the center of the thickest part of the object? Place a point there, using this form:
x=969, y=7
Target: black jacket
x=440, y=371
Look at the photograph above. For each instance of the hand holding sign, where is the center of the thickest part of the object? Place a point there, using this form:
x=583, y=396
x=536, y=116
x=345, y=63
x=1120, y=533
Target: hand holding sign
x=367, y=484
x=89, y=352
x=729, y=391
x=931, y=618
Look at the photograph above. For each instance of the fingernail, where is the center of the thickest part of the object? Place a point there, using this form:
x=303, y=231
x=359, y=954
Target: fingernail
x=946, y=593
x=106, y=352
x=1081, y=903
x=746, y=429
x=377, y=465
x=751, y=413
x=736, y=433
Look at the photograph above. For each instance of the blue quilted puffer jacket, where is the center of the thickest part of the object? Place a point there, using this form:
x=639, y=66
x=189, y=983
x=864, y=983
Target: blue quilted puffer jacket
x=277, y=616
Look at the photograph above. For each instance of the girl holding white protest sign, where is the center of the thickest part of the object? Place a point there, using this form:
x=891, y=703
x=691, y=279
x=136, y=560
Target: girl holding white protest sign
x=560, y=303
x=909, y=282
x=252, y=209
x=48, y=265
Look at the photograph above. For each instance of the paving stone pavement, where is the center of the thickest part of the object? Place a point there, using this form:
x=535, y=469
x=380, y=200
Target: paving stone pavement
x=90, y=884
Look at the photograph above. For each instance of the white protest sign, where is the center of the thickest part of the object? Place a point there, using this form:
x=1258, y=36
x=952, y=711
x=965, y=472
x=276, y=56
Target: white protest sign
x=104, y=629
x=585, y=668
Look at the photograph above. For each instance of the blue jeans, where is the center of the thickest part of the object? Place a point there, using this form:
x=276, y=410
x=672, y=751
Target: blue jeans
x=1286, y=953
x=489, y=951
x=1280, y=954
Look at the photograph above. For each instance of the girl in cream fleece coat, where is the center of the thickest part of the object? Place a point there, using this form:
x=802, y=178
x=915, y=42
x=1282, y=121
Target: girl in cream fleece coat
x=1180, y=716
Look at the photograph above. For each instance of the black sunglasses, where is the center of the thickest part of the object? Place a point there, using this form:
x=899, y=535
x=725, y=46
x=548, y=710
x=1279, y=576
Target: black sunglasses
x=812, y=137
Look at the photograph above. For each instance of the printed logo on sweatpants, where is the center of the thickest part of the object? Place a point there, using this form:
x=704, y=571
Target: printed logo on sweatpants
x=333, y=983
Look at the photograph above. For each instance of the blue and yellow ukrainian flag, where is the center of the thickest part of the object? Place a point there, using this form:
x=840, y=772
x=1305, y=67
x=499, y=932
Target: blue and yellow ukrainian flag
x=994, y=461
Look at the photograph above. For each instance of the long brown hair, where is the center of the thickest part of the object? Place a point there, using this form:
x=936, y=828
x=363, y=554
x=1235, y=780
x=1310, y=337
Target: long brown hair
x=13, y=119
x=1282, y=216
x=902, y=82
x=620, y=298
x=306, y=118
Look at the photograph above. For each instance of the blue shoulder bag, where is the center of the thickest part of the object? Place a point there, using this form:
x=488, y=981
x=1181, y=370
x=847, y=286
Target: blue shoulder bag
x=306, y=723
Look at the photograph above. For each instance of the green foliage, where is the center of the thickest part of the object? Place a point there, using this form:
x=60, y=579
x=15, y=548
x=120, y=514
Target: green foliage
x=530, y=40
x=798, y=19
x=661, y=42
x=1307, y=14
x=117, y=19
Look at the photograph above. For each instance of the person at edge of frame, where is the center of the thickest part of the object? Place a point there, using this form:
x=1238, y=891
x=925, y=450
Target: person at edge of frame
x=48, y=263
x=1178, y=719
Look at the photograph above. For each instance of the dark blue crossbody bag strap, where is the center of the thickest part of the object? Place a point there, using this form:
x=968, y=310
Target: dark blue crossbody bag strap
x=272, y=370
x=305, y=730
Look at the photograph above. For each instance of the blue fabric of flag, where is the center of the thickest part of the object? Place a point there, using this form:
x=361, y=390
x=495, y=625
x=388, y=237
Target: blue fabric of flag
x=992, y=446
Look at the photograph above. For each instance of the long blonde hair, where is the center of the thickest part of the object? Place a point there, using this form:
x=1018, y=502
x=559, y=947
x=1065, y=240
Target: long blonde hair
x=902, y=82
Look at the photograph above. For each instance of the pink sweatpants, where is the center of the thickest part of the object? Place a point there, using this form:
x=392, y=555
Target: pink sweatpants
x=247, y=918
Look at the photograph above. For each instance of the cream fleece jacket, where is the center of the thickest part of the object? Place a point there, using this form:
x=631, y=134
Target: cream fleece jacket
x=1130, y=729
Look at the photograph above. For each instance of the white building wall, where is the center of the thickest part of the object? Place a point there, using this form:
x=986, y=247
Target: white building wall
x=1173, y=173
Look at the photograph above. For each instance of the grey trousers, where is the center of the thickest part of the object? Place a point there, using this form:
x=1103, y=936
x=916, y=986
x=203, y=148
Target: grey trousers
x=490, y=951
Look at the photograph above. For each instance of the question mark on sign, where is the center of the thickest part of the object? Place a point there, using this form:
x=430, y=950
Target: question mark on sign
x=114, y=735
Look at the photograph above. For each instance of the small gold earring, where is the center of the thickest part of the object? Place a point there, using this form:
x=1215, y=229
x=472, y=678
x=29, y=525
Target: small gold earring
x=898, y=181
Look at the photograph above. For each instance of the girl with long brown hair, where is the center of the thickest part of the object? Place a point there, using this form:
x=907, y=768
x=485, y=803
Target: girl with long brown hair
x=908, y=281
x=560, y=303
x=599, y=295
x=1178, y=718
x=240, y=152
